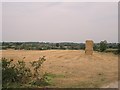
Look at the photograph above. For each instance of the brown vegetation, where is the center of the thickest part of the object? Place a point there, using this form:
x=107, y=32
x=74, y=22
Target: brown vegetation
x=72, y=68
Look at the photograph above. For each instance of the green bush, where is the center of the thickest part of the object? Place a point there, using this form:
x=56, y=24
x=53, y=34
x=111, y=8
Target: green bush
x=18, y=74
x=38, y=80
x=9, y=74
x=14, y=73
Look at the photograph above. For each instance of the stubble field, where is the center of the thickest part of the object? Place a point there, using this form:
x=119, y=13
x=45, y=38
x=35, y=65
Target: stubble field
x=72, y=68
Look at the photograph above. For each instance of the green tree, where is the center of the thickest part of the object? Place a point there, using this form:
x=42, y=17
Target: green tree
x=118, y=51
x=95, y=47
x=57, y=44
x=103, y=45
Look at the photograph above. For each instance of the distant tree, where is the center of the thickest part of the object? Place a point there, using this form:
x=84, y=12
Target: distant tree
x=103, y=45
x=82, y=46
x=62, y=47
x=96, y=47
x=119, y=46
x=57, y=44
x=118, y=51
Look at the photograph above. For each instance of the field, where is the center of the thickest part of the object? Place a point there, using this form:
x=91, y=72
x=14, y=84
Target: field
x=72, y=68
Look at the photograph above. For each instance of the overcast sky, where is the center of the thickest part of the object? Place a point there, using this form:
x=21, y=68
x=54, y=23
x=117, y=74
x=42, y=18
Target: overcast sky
x=60, y=21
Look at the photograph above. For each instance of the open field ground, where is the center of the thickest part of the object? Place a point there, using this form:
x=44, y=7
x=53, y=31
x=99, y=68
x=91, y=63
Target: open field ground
x=72, y=68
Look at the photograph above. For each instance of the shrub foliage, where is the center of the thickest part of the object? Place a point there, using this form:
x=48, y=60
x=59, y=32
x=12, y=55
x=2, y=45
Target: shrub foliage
x=18, y=73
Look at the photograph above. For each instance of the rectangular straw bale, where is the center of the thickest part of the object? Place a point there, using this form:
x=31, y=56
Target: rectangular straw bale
x=89, y=47
x=89, y=52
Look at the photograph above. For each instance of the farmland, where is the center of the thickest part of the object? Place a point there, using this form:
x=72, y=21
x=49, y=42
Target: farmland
x=72, y=68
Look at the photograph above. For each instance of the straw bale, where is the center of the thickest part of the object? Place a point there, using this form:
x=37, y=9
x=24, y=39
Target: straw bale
x=89, y=47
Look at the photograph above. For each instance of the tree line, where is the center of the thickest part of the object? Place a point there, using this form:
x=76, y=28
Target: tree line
x=103, y=46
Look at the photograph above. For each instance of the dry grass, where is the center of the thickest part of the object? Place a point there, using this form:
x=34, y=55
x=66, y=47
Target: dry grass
x=75, y=68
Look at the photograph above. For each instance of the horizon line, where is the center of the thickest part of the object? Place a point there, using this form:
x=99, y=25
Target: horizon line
x=56, y=41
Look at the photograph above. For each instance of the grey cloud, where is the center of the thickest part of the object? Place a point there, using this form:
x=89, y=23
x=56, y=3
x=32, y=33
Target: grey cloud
x=55, y=22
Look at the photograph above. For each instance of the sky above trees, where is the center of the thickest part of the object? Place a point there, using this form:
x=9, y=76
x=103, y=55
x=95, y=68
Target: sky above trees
x=60, y=21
